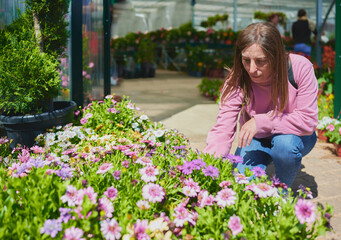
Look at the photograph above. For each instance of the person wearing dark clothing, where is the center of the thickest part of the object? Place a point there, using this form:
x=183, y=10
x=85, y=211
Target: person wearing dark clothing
x=301, y=32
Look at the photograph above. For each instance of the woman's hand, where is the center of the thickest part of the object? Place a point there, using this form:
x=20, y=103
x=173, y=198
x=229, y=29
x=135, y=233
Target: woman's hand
x=247, y=132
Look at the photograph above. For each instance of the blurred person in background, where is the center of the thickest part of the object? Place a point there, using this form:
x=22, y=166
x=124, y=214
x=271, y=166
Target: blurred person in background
x=275, y=20
x=301, y=33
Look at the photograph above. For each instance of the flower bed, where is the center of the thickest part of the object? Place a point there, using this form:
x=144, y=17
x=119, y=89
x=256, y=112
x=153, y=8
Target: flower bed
x=117, y=175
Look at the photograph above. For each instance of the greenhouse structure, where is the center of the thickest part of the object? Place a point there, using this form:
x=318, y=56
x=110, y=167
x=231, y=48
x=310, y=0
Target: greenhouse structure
x=170, y=119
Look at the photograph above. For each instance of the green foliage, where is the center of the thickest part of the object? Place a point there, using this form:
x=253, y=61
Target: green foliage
x=213, y=20
x=146, y=51
x=210, y=87
x=334, y=132
x=265, y=16
x=27, y=202
x=28, y=77
x=195, y=57
x=20, y=29
x=326, y=105
x=325, y=79
x=53, y=24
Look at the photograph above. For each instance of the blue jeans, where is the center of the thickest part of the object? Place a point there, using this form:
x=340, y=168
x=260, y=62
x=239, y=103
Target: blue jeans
x=303, y=48
x=286, y=152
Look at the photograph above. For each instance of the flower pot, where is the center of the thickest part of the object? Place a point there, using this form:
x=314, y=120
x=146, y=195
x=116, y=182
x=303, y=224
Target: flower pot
x=24, y=129
x=195, y=74
x=321, y=136
x=337, y=149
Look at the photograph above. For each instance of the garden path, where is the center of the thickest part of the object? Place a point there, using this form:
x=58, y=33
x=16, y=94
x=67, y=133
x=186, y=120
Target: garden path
x=174, y=99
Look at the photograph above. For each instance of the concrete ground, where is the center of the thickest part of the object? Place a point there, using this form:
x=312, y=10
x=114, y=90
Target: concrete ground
x=174, y=99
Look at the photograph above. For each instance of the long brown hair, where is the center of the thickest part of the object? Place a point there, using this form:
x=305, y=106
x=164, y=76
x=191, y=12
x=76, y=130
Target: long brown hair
x=268, y=37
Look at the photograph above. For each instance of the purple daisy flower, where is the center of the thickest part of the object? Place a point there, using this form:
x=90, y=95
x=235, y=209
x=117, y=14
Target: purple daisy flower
x=51, y=227
x=64, y=173
x=258, y=171
x=187, y=168
x=198, y=164
x=234, y=159
x=211, y=171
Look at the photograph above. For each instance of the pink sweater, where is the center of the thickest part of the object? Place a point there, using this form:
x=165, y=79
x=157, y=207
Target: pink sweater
x=300, y=117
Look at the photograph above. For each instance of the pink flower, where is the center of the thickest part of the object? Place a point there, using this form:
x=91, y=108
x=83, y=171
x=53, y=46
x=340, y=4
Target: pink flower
x=88, y=115
x=37, y=149
x=305, y=211
x=111, y=193
x=235, y=225
x=91, y=65
x=89, y=191
x=241, y=178
x=83, y=121
x=189, y=191
x=140, y=227
x=263, y=190
x=153, y=192
x=63, y=60
x=73, y=233
x=110, y=229
x=205, y=199
x=190, y=183
x=125, y=163
x=70, y=196
x=330, y=127
x=145, y=161
x=104, y=168
x=84, y=73
x=117, y=174
x=182, y=215
x=24, y=156
x=225, y=197
x=106, y=206
x=224, y=184
x=149, y=173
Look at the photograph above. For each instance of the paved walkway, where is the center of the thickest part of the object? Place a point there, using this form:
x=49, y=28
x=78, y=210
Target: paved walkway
x=174, y=99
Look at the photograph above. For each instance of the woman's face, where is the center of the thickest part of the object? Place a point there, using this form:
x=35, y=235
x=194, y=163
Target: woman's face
x=256, y=63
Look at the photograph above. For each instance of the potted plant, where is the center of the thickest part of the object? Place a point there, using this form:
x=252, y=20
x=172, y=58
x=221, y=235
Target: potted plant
x=333, y=133
x=29, y=80
x=195, y=60
x=146, y=57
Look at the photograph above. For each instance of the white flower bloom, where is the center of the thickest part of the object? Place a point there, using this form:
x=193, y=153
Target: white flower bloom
x=144, y=117
x=65, y=158
x=135, y=125
x=159, y=133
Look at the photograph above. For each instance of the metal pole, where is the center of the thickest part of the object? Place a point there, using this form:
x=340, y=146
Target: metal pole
x=76, y=53
x=337, y=76
x=106, y=47
x=318, y=37
x=235, y=8
x=327, y=14
x=192, y=8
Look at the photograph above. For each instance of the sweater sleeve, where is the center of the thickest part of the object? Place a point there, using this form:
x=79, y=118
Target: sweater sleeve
x=303, y=117
x=220, y=137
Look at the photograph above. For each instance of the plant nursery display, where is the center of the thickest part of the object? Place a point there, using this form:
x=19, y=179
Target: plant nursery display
x=29, y=80
x=114, y=174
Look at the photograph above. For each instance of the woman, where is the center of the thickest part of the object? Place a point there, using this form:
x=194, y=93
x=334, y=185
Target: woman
x=277, y=120
x=301, y=33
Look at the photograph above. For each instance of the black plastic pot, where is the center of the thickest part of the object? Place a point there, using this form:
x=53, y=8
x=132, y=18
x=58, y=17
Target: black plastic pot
x=24, y=129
